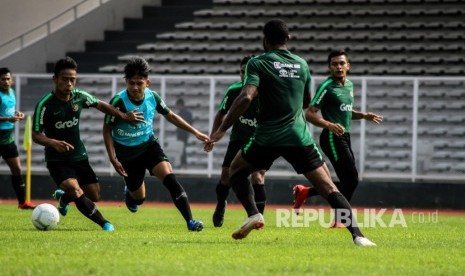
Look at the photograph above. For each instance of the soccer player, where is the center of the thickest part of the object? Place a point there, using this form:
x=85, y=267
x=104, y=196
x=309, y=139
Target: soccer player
x=56, y=127
x=241, y=132
x=133, y=149
x=281, y=81
x=335, y=98
x=8, y=149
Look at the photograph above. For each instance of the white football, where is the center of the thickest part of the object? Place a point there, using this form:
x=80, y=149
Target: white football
x=45, y=216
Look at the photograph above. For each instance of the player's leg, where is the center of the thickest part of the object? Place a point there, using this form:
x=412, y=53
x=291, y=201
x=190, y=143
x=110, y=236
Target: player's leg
x=310, y=163
x=161, y=168
x=92, y=191
x=66, y=176
x=164, y=173
x=339, y=152
x=11, y=156
x=258, y=185
x=222, y=188
x=222, y=192
x=134, y=190
x=251, y=158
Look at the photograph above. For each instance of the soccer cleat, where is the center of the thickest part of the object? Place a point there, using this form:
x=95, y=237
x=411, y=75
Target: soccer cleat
x=108, y=227
x=300, y=193
x=362, y=241
x=62, y=208
x=256, y=222
x=195, y=225
x=218, y=215
x=133, y=207
x=26, y=206
x=337, y=224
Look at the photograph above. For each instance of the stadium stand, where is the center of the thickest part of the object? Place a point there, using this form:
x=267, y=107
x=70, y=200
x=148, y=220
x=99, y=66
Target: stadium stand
x=387, y=37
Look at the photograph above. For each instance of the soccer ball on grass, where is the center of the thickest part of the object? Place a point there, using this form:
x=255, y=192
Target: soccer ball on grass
x=45, y=216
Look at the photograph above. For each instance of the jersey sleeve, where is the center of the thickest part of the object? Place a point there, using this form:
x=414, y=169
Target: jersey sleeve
x=252, y=76
x=162, y=108
x=230, y=95
x=307, y=92
x=90, y=100
x=319, y=98
x=118, y=103
x=39, y=114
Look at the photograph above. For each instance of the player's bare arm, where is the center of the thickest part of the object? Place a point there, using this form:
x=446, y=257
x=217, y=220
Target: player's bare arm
x=369, y=116
x=60, y=146
x=311, y=115
x=216, y=124
x=110, y=147
x=179, y=122
x=17, y=117
x=132, y=117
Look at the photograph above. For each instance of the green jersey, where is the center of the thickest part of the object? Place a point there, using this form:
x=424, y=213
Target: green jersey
x=244, y=127
x=335, y=101
x=283, y=81
x=60, y=120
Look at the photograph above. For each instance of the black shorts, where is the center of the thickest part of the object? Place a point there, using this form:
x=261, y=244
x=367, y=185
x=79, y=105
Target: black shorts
x=233, y=148
x=135, y=168
x=80, y=170
x=303, y=159
x=9, y=151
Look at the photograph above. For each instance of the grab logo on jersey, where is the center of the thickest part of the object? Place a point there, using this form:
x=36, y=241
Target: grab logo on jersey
x=345, y=107
x=249, y=122
x=67, y=124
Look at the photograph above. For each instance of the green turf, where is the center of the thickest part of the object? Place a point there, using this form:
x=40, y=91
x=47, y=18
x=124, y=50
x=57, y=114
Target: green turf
x=155, y=241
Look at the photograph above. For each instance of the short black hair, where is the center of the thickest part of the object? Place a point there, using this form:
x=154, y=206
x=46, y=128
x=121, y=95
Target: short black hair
x=64, y=63
x=336, y=53
x=4, y=71
x=245, y=60
x=276, y=32
x=136, y=66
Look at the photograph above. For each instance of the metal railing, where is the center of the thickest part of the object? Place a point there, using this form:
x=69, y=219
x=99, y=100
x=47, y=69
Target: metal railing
x=412, y=108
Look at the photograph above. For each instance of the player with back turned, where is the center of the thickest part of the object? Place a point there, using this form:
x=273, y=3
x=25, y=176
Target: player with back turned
x=281, y=81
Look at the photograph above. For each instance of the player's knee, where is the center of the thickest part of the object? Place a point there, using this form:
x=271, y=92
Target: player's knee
x=94, y=197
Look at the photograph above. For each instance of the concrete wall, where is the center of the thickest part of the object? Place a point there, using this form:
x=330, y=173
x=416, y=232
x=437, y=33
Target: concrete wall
x=109, y=16
x=202, y=190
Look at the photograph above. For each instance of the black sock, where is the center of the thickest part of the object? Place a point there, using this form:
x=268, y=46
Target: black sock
x=260, y=197
x=241, y=186
x=179, y=196
x=18, y=186
x=312, y=192
x=66, y=199
x=222, y=192
x=88, y=208
x=340, y=204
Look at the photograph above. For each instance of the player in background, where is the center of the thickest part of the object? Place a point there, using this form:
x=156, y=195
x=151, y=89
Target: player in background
x=281, y=81
x=241, y=132
x=55, y=126
x=133, y=149
x=335, y=98
x=8, y=149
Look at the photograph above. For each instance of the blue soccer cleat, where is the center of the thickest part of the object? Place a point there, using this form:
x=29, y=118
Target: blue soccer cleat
x=195, y=225
x=132, y=206
x=62, y=207
x=108, y=227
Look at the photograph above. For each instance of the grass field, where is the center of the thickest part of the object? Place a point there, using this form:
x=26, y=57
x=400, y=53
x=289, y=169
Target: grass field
x=155, y=241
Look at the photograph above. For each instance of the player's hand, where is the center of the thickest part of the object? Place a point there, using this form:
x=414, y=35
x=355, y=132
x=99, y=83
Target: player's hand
x=337, y=129
x=134, y=117
x=208, y=146
x=217, y=135
x=202, y=137
x=62, y=146
x=118, y=167
x=373, y=117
